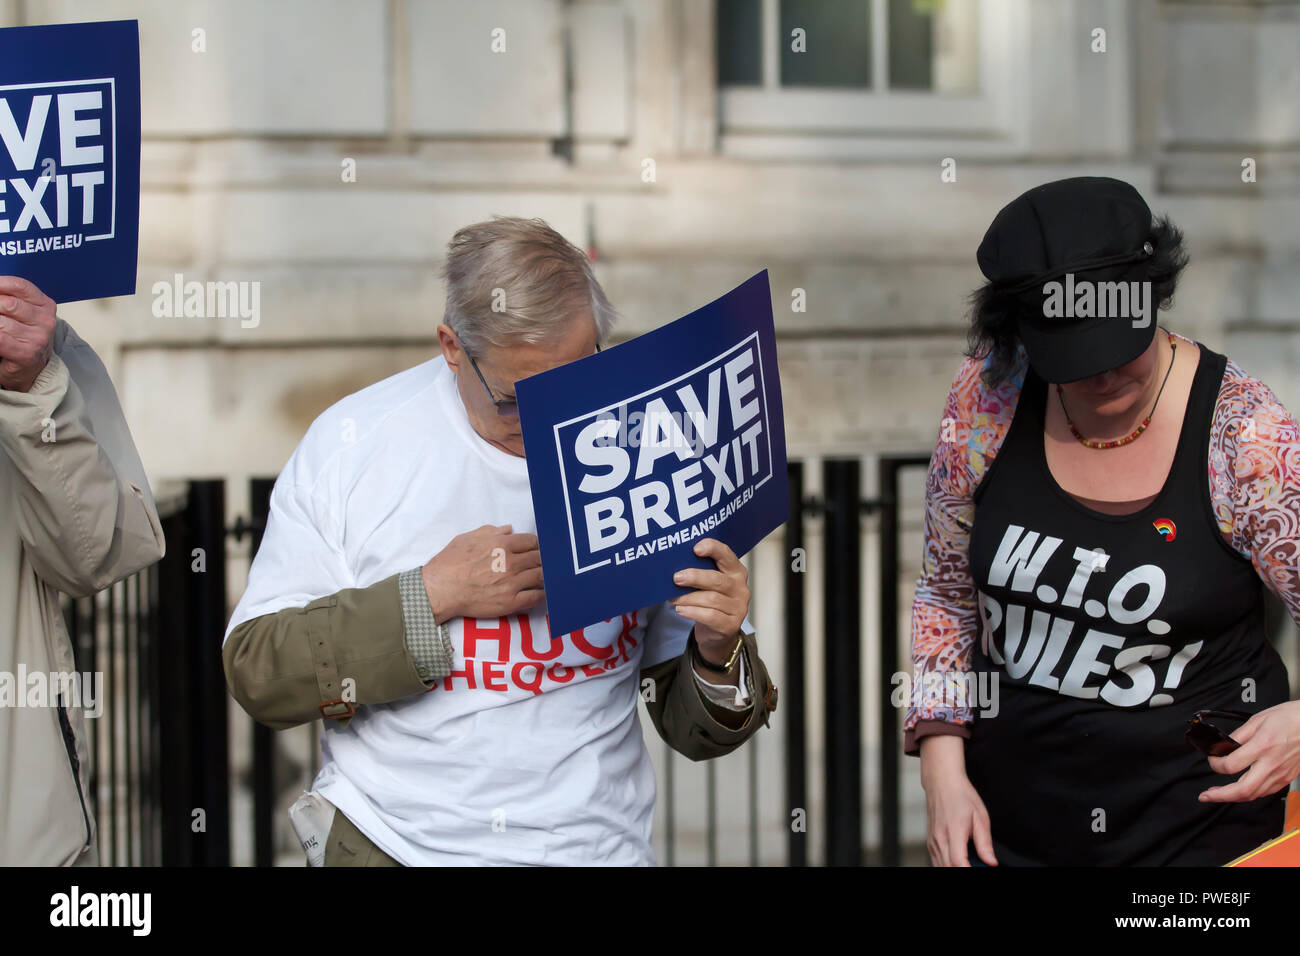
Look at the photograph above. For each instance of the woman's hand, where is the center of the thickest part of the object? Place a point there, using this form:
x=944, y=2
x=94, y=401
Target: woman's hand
x=954, y=812
x=1270, y=747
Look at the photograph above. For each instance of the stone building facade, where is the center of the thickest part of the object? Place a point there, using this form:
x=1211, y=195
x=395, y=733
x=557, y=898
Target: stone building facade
x=320, y=153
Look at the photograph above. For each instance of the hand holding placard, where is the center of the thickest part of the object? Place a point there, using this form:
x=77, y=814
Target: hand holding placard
x=27, y=321
x=720, y=602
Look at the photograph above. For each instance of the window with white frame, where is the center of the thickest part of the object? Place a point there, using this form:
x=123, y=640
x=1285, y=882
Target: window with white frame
x=904, y=68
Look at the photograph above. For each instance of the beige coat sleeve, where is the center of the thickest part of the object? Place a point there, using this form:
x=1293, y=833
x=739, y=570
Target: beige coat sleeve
x=82, y=505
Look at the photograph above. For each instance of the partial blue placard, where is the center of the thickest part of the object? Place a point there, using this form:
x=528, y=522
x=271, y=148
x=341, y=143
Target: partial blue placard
x=636, y=453
x=70, y=157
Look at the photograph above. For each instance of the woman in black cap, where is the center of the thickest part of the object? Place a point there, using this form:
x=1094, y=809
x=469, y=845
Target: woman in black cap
x=1104, y=505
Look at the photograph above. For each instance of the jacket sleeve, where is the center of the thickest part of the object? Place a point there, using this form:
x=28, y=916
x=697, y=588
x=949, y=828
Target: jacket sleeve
x=344, y=650
x=306, y=641
x=693, y=726
x=82, y=505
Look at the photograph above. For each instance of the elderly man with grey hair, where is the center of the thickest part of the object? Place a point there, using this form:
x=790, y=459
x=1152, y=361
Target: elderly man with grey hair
x=398, y=594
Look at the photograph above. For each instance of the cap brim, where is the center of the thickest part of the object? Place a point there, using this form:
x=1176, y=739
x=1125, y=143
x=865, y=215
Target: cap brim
x=1063, y=352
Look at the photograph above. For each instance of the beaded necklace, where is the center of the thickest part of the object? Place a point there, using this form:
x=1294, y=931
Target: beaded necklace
x=1089, y=443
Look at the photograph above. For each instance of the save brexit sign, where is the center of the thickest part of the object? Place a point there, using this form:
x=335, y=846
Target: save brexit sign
x=636, y=453
x=70, y=157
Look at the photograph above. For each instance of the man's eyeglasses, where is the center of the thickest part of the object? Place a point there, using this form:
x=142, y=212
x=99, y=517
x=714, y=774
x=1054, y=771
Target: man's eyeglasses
x=506, y=407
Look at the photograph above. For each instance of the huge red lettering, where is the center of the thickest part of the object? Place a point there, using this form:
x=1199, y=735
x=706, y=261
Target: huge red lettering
x=625, y=635
x=580, y=642
x=534, y=683
x=555, y=646
x=559, y=673
x=497, y=670
x=474, y=632
x=467, y=673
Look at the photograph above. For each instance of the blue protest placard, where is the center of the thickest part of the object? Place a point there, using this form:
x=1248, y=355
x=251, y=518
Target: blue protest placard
x=637, y=452
x=70, y=157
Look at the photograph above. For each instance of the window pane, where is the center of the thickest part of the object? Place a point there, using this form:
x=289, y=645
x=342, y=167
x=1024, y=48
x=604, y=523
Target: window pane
x=933, y=45
x=740, y=43
x=836, y=43
x=910, y=44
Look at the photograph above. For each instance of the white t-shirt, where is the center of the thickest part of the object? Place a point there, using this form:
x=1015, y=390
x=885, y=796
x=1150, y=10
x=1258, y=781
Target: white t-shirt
x=531, y=750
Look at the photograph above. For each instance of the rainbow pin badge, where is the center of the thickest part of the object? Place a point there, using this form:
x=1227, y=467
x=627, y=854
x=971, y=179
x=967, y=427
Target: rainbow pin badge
x=1166, y=528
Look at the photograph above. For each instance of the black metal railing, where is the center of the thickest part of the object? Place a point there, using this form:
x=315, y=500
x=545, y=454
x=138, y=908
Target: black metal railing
x=841, y=508
x=792, y=706
x=888, y=506
x=159, y=773
x=111, y=638
x=157, y=776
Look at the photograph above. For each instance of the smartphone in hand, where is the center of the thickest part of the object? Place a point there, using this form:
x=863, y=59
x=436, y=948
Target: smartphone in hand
x=1206, y=731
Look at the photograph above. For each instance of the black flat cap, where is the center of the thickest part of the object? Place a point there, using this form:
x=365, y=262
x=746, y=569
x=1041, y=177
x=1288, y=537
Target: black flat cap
x=1059, y=238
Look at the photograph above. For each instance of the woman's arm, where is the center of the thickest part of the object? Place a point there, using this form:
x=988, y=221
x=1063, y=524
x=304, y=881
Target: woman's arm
x=1254, y=464
x=1255, y=481
x=945, y=619
x=944, y=611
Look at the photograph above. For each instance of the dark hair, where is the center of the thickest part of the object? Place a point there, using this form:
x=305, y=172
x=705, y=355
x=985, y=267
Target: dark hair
x=993, y=311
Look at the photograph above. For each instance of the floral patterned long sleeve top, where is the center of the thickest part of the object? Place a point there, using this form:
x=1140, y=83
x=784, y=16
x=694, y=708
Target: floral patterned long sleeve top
x=1254, y=482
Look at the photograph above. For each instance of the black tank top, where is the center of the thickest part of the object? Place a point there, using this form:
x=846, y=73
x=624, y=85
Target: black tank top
x=1103, y=635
